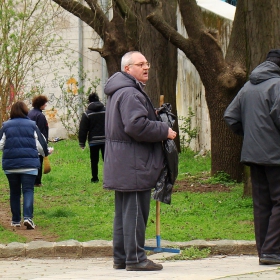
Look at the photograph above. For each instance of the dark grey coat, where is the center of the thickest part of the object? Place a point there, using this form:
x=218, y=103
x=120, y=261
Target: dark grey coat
x=133, y=154
x=255, y=114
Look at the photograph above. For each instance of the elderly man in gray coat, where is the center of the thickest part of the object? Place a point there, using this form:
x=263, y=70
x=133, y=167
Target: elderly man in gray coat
x=133, y=159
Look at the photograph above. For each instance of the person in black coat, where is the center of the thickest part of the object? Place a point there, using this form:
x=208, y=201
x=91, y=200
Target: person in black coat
x=92, y=129
x=39, y=104
x=255, y=115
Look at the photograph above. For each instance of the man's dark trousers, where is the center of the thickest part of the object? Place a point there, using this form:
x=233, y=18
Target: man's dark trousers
x=131, y=217
x=266, y=200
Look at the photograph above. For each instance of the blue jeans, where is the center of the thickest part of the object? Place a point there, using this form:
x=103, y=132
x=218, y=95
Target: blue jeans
x=20, y=182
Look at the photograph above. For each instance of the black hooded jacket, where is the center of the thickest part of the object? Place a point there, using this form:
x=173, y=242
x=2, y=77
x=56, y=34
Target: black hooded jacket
x=92, y=125
x=255, y=114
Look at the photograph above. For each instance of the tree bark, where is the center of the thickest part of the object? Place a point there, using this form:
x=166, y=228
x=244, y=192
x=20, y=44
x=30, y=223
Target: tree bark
x=262, y=27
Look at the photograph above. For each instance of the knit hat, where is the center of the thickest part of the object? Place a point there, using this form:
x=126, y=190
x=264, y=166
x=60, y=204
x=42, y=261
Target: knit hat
x=273, y=53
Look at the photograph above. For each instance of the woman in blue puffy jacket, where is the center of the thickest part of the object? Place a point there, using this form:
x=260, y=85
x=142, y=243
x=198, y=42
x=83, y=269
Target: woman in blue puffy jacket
x=21, y=140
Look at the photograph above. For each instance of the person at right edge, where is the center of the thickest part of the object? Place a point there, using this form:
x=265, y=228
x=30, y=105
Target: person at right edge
x=255, y=114
x=133, y=159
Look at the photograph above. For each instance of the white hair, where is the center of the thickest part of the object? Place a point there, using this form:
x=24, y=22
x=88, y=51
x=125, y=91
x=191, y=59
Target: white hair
x=126, y=59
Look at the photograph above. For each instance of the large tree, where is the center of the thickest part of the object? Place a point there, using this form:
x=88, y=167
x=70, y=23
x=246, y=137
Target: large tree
x=126, y=30
x=222, y=76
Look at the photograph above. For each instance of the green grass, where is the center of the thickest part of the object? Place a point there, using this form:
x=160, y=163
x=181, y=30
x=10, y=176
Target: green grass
x=191, y=253
x=69, y=206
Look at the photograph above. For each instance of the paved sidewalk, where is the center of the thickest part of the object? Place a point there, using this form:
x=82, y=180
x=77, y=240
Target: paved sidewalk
x=220, y=267
x=39, y=260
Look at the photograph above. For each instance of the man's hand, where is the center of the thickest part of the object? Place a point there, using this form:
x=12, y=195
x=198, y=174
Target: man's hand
x=171, y=133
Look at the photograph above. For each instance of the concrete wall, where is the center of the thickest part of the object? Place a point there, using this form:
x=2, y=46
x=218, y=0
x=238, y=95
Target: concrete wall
x=77, y=39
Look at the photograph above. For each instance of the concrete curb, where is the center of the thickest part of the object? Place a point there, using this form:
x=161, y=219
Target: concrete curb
x=102, y=248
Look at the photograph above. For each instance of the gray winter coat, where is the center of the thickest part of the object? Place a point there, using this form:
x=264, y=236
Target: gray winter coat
x=255, y=114
x=133, y=155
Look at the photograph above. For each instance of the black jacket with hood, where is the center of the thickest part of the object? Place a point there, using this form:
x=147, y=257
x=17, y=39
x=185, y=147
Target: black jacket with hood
x=255, y=114
x=133, y=156
x=92, y=125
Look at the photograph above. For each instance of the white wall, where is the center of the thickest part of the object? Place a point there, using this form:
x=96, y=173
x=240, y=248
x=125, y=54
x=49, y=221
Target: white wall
x=76, y=47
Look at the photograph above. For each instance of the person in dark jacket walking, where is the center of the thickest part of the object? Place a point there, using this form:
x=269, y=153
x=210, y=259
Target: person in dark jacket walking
x=39, y=104
x=133, y=159
x=92, y=128
x=255, y=114
x=21, y=140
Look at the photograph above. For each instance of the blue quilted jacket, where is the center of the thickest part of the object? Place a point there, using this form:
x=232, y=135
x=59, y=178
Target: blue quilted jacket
x=20, y=149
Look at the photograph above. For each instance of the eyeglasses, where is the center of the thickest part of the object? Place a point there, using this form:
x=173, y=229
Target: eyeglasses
x=142, y=64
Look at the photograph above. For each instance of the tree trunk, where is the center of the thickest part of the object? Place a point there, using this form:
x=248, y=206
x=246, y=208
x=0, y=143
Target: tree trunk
x=162, y=56
x=225, y=145
x=262, y=27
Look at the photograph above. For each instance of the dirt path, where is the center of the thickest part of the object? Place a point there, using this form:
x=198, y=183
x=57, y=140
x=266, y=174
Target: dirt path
x=30, y=235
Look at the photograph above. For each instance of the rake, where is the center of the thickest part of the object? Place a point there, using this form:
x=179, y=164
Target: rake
x=158, y=248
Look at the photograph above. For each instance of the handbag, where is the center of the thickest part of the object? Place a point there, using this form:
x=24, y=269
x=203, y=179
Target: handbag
x=46, y=165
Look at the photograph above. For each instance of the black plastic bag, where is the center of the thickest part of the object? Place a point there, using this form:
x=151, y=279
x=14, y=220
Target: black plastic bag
x=169, y=173
x=163, y=189
x=171, y=155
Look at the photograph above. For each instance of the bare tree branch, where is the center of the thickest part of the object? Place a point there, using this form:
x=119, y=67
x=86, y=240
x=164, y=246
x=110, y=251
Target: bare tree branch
x=192, y=17
x=33, y=11
x=99, y=14
x=157, y=20
x=93, y=17
x=125, y=9
x=97, y=50
x=236, y=51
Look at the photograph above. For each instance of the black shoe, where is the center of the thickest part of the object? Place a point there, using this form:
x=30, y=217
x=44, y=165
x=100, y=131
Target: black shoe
x=94, y=180
x=146, y=265
x=119, y=266
x=260, y=263
x=269, y=259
